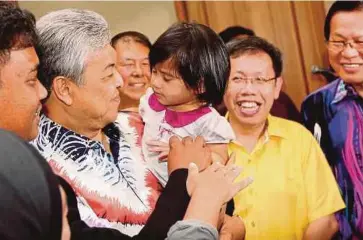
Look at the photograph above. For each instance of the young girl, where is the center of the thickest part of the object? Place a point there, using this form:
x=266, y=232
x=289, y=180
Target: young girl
x=190, y=68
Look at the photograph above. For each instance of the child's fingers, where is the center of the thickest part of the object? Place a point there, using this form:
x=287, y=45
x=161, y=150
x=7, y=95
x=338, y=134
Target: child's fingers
x=156, y=143
x=163, y=156
x=158, y=149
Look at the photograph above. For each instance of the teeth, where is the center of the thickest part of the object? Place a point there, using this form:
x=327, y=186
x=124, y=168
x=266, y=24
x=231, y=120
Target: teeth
x=247, y=104
x=351, y=65
x=137, y=85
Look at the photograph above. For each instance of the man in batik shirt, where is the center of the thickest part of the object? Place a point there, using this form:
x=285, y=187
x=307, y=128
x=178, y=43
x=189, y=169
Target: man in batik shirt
x=76, y=132
x=335, y=113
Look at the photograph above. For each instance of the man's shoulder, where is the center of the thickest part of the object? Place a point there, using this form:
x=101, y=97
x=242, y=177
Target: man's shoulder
x=290, y=130
x=323, y=95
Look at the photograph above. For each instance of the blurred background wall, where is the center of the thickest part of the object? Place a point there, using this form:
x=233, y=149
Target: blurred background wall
x=148, y=17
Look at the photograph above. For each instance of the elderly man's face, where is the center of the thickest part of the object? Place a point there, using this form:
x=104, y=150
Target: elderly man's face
x=347, y=62
x=97, y=98
x=20, y=93
x=248, y=101
x=133, y=65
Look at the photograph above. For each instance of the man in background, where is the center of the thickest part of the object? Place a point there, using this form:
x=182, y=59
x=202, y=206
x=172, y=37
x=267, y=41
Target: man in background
x=334, y=113
x=283, y=106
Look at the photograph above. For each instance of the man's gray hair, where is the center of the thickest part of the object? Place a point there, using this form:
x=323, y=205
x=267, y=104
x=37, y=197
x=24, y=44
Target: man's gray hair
x=66, y=37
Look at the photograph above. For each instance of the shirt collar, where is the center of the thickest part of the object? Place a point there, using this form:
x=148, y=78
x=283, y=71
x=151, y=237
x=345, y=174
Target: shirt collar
x=343, y=90
x=111, y=131
x=273, y=128
x=178, y=119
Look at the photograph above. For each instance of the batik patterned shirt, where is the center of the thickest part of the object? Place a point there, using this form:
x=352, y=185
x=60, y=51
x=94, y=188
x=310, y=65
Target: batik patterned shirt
x=114, y=189
x=334, y=114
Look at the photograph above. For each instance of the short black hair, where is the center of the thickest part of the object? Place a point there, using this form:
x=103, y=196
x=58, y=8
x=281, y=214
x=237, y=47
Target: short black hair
x=198, y=55
x=135, y=36
x=17, y=30
x=231, y=32
x=340, y=6
x=256, y=44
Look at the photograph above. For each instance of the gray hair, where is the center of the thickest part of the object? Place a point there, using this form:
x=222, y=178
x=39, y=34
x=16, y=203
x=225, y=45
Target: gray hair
x=66, y=37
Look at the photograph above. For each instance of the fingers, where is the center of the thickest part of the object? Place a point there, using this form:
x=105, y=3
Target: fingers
x=241, y=185
x=192, y=171
x=199, y=141
x=232, y=172
x=163, y=156
x=232, y=159
x=159, y=149
x=215, y=167
x=156, y=143
x=187, y=140
x=174, y=142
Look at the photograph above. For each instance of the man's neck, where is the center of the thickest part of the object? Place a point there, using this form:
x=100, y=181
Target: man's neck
x=57, y=113
x=247, y=136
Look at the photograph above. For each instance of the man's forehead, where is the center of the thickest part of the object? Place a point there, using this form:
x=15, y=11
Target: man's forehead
x=130, y=45
x=26, y=59
x=104, y=55
x=257, y=62
x=347, y=21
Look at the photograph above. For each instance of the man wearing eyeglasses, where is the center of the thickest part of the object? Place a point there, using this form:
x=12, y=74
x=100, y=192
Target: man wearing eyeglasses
x=335, y=113
x=294, y=194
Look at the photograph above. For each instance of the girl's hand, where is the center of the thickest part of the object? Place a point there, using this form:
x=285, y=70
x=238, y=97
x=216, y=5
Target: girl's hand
x=160, y=147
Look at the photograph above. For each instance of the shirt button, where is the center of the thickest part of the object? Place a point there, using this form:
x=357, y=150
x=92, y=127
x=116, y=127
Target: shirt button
x=253, y=224
x=250, y=191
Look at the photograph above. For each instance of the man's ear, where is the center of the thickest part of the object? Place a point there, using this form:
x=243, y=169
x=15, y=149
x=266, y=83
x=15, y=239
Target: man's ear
x=62, y=88
x=278, y=86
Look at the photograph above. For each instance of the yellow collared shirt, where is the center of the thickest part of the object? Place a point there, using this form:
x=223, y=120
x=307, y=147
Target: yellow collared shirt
x=293, y=183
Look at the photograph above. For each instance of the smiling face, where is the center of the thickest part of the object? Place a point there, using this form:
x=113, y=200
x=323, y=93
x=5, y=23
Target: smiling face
x=348, y=63
x=132, y=62
x=96, y=100
x=249, y=104
x=20, y=93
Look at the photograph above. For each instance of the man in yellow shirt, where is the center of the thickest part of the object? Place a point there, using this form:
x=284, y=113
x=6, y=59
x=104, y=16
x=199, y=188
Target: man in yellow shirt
x=294, y=194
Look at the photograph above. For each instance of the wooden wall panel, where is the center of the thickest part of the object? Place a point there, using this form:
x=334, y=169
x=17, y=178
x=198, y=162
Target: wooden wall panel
x=310, y=18
x=197, y=11
x=220, y=15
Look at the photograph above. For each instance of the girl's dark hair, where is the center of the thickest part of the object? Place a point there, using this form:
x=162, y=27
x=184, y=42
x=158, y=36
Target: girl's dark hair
x=199, y=57
x=340, y=6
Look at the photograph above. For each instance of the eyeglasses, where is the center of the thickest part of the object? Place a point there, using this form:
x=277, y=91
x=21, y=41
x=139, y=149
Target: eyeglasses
x=259, y=81
x=338, y=46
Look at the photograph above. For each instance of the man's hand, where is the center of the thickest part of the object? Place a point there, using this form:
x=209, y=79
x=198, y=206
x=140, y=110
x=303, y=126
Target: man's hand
x=211, y=189
x=218, y=179
x=232, y=229
x=186, y=151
